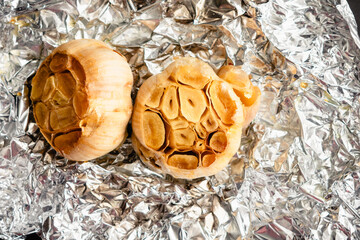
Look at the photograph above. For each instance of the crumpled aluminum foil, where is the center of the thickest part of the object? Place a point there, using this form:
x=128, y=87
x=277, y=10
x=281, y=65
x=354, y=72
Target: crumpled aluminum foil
x=296, y=175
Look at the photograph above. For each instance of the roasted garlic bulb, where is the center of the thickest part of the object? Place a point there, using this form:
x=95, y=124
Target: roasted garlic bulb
x=187, y=121
x=81, y=97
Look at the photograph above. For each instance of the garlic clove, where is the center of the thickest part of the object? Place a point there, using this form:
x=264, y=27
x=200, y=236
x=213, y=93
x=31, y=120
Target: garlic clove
x=42, y=114
x=218, y=141
x=200, y=131
x=183, y=161
x=244, y=89
x=154, y=130
x=62, y=118
x=182, y=138
x=192, y=72
x=209, y=121
x=38, y=82
x=67, y=141
x=223, y=102
x=169, y=103
x=237, y=77
x=208, y=158
x=49, y=89
x=66, y=84
x=178, y=123
x=59, y=62
x=154, y=100
x=80, y=104
x=193, y=103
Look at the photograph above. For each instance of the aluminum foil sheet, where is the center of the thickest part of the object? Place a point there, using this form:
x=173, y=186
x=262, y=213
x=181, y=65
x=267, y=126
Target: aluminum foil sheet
x=296, y=175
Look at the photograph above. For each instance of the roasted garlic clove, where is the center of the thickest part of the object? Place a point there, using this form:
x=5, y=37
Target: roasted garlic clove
x=209, y=121
x=42, y=115
x=195, y=76
x=169, y=104
x=178, y=123
x=207, y=159
x=183, y=161
x=182, y=139
x=196, y=120
x=193, y=103
x=222, y=96
x=244, y=89
x=218, y=142
x=154, y=130
x=81, y=95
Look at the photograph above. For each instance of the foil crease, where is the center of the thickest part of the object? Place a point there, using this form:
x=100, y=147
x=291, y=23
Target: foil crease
x=296, y=175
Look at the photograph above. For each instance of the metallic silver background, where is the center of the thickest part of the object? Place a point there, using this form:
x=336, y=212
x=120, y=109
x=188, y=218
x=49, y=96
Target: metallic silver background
x=296, y=175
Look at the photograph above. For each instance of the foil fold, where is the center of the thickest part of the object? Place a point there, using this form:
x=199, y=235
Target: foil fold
x=295, y=175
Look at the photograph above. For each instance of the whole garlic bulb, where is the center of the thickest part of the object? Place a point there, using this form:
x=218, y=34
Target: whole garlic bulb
x=187, y=121
x=81, y=96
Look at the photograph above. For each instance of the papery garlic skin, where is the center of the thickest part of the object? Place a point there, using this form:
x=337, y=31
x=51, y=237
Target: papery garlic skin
x=82, y=99
x=200, y=113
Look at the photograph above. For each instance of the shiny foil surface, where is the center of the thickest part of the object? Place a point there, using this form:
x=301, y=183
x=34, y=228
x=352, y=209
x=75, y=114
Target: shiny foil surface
x=296, y=175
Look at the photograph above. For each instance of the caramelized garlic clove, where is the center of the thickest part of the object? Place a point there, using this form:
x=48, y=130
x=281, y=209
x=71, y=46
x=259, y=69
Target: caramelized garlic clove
x=41, y=113
x=155, y=97
x=66, y=141
x=38, y=82
x=182, y=138
x=49, y=89
x=183, y=161
x=209, y=121
x=241, y=83
x=234, y=75
x=201, y=131
x=59, y=62
x=250, y=99
x=244, y=89
x=251, y=110
x=62, y=118
x=145, y=154
x=66, y=84
x=78, y=72
x=208, y=159
x=218, y=141
x=59, y=99
x=154, y=130
x=223, y=103
x=193, y=103
x=169, y=104
x=190, y=75
x=80, y=104
x=178, y=123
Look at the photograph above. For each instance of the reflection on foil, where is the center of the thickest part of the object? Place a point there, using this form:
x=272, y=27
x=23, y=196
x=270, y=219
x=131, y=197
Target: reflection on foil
x=296, y=175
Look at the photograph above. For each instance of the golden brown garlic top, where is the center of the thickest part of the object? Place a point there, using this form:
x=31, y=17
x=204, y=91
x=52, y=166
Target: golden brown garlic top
x=81, y=97
x=187, y=121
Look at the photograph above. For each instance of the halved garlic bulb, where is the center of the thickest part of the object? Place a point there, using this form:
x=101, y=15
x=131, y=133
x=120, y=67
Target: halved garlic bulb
x=187, y=121
x=81, y=96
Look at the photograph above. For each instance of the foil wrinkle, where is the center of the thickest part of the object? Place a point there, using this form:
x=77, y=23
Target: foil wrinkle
x=296, y=174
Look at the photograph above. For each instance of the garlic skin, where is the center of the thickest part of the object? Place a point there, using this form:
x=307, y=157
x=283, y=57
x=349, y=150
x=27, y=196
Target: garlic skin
x=81, y=97
x=187, y=122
